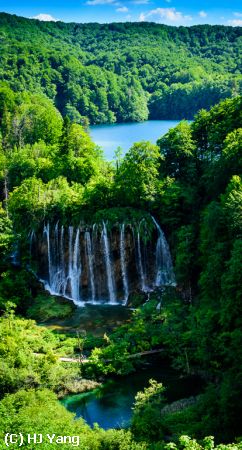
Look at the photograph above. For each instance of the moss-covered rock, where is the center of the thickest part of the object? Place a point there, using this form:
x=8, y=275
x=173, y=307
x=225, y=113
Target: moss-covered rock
x=46, y=307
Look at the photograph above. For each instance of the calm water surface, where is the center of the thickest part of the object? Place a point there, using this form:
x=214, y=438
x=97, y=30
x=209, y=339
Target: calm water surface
x=123, y=135
x=111, y=405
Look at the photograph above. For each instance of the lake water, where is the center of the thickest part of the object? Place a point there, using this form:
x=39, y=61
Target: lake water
x=112, y=136
x=111, y=405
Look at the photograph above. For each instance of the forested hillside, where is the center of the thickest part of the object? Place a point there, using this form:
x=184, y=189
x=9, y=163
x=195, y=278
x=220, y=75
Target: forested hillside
x=56, y=189
x=190, y=181
x=121, y=71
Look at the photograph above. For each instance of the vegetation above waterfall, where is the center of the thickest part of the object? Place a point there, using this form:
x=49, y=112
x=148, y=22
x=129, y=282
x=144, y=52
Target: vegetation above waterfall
x=121, y=71
x=190, y=183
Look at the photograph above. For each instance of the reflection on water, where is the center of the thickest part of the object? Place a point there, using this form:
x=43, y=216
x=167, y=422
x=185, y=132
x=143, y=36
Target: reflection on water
x=94, y=319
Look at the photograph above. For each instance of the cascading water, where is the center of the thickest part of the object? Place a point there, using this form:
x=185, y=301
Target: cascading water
x=57, y=268
x=57, y=237
x=110, y=277
x=75, y=267
x=62, y=261
x=140, y=262
x=123, y=263
x=61, y=280
x=164, y=268
x=54, y=282
x=32, y=237
x=70, y=255
x=95, y=266
x=46, y=233
x=90, y=261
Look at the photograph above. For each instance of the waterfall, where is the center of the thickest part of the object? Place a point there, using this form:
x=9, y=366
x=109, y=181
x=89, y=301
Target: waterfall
x=87, y=264
x=56, y=239
x=15, y=255
x=90, y=261
x=107, y=258
x=54, y=267
x=164, y=268
x=62, y=263
x=70, y=240
x=46, y=233
x=31, y=240
x=140, y=263
x=123, y=262
x=58, y=282
x=75, y=269
x=62, y=251
x=56, y=270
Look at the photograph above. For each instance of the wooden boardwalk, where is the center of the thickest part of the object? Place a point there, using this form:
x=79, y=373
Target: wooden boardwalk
x=135, y=355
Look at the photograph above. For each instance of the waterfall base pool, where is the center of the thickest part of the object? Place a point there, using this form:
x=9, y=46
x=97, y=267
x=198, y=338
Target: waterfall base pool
x=94, y=319
x=111, y=405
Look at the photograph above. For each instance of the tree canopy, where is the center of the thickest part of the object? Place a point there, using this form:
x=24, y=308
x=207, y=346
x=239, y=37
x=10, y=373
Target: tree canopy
x=121, y=71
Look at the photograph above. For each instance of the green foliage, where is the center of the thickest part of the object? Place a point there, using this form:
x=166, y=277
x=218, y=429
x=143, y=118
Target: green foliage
x=142, y=333
x=140, y=220
x=119, y=215
x=177, y=149
x=137, y=177
x=185, y=442
x=45, y=307
x=121, y=72
x=37, y=119
x=29, y=356
x=191, y=181
x=147, y=411
x=16, y=286
x=35, y=201
x=29, y=407
x=232, y=201
x=185, y=253
x=6, y=234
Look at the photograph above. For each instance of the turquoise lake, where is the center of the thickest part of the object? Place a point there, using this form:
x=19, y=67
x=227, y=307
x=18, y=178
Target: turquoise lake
x=111, y=405
x=111, y=136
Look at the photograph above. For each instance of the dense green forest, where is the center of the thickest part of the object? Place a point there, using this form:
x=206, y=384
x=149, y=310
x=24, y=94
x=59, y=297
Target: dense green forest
x=190, y=181
x=121, y=71
x=55, y=78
